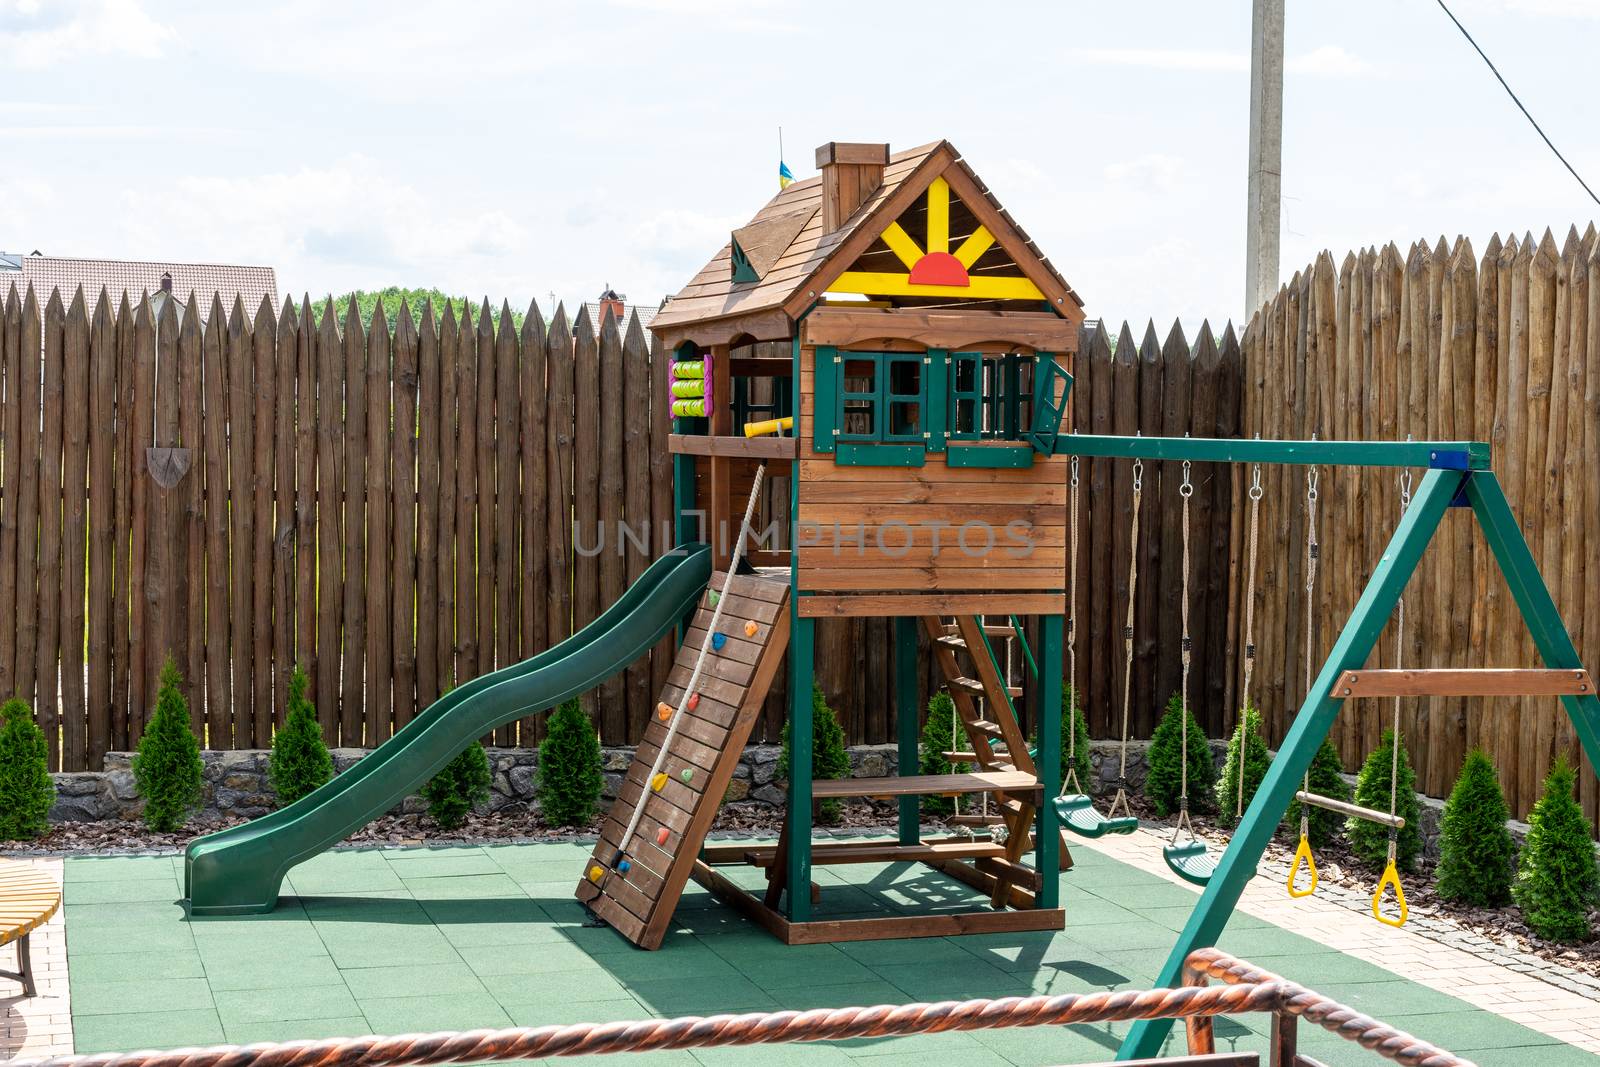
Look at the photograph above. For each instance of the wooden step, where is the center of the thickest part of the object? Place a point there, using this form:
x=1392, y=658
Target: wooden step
x=972, y=757
x=972, y=685
x=952, y=641
x=1481, y=682
x=993, y=818
x=984, y=726
x=886, y=852
x=927, y=785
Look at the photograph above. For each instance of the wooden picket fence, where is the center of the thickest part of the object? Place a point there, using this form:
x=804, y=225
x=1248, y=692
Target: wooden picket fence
x=288, y=517
x=395, y=512
x=1435, y=342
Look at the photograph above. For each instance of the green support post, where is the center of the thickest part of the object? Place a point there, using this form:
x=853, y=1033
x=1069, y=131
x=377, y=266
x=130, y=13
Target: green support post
x=905, y=717
x=802, y=650
x=1047, y=838
x=1533, y=599
x=1311, y=725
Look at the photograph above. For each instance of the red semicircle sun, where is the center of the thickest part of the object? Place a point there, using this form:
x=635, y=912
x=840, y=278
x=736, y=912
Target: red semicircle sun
x=939, y=268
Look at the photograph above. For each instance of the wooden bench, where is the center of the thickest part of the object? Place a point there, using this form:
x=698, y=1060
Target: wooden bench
x=28, y=898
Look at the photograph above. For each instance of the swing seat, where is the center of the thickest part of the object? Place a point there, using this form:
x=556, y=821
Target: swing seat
x=1078, y=814
x=1191, y=861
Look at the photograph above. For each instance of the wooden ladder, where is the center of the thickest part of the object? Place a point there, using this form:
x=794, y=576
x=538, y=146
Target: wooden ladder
x=993, y=722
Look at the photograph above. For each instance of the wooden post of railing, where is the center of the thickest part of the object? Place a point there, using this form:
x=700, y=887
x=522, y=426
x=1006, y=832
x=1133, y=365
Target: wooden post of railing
x=1201, y=1034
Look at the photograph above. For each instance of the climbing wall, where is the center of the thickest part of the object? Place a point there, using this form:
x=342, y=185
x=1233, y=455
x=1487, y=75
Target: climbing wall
x=678, y=808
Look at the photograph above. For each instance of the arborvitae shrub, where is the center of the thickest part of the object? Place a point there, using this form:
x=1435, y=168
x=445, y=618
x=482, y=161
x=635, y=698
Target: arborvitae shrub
x=300, y=762
x=26, y=788
x=938, y=737
x=462, y=785
x=1475, y=849
x=1248, y=734
x=1327, y=780
x=1557, y=880
x=1369, y=840
x=1164, y=777
x=828, y=756
x=167, y=767
x=569, y=768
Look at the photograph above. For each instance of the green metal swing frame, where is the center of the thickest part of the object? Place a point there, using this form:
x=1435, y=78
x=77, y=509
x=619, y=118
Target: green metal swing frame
x=1458, y=476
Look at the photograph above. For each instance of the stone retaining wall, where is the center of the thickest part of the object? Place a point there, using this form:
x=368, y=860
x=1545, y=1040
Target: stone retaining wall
x=235, y=782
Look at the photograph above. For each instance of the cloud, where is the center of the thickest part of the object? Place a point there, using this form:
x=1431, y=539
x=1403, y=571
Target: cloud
x=1152, y=172
x=1163, y=58
x=1329, y=61
x=36, y=37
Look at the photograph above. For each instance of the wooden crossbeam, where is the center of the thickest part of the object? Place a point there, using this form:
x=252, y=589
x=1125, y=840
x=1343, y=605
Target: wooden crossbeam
x=1482, y=682
x=927, y=785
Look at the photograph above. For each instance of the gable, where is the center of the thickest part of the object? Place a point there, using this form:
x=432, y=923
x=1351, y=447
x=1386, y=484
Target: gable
x=948, y=244
x=779, y=265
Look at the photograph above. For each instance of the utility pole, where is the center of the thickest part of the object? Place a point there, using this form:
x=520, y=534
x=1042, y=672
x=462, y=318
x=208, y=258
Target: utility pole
x=1265, y=196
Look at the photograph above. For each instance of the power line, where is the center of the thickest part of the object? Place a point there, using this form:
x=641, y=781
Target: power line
x=1518, y=102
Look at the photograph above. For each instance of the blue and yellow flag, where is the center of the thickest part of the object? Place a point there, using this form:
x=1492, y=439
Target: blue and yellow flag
x=784, y=177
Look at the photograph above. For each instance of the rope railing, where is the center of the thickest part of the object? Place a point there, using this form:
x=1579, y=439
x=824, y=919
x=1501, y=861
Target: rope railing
x=1245, y=988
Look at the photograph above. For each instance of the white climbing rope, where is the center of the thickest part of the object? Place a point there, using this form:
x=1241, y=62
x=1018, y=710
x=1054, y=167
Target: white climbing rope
x=1120, y=801
x=699, y=664
x=1072, y=646
x=1186, y=490
x=1256, y=493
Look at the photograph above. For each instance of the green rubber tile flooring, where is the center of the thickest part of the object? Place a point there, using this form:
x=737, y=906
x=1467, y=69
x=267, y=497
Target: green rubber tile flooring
x=404, y=940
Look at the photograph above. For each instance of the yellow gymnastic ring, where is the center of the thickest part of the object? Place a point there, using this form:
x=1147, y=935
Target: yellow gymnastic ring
x=1303, y=858
x=1391, y=878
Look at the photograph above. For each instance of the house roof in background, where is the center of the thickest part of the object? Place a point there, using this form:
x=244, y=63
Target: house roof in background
x=646, y=313
x=136, y=277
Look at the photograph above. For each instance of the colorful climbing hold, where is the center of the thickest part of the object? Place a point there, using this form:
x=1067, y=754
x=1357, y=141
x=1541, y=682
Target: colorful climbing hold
x=713, y=598
x=687, y=775
x=718, y=640
x=623, y=866
x=596, y=873
x=662, y=835
x=663, y=711
x=658, y=781
x=694, y=701
x=751, y=629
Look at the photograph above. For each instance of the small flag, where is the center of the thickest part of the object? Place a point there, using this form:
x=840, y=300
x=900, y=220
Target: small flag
x=784, y=177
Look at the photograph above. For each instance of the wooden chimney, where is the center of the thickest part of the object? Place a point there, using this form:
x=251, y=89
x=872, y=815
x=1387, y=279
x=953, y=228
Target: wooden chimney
x=850, y=174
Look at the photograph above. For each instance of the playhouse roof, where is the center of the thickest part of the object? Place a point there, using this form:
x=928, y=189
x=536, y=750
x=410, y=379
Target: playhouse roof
x=794, y=260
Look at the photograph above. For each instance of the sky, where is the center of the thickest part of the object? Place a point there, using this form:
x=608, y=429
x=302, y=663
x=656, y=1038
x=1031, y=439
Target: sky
x=524, y=150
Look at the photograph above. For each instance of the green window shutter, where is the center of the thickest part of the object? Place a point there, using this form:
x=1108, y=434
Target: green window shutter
x=1048, y=410
x=964, y=415
x=825, y=402
x=936, y=390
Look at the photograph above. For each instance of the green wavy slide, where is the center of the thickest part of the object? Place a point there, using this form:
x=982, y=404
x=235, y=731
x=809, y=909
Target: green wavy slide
x=240, y=870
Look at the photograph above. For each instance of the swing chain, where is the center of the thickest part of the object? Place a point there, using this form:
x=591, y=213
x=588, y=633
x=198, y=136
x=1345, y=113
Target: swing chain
x=1185, y=491
x=1120, y=801
x=1071, y=777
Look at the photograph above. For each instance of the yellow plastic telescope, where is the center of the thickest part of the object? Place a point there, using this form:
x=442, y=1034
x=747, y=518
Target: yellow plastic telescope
x=756, y=429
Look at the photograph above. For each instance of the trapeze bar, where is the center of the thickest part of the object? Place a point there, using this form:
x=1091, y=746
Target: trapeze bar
x=1450, y=455
x=1355, y=811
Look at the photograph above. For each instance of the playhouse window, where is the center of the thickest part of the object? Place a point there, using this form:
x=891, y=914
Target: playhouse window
x=882, y=397
x=990, y=399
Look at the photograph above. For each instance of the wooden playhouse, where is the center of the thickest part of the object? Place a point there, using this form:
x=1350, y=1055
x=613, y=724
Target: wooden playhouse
x=929, y=347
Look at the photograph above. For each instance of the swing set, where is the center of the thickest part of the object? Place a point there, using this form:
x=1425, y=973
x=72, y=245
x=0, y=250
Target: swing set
x=1458, y=477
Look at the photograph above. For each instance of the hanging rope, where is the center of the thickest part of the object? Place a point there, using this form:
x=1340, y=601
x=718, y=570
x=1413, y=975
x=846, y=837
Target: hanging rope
x=700, y=661
x=1072, y=647
x=1256, y=493
x=1391, y=875
x=1313, y=552
x=1121, y=799
x=1186, y=490
x=1303, y=860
